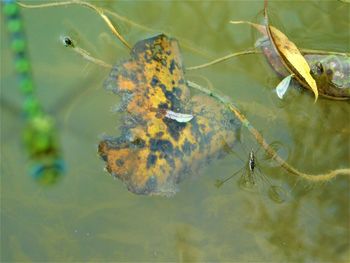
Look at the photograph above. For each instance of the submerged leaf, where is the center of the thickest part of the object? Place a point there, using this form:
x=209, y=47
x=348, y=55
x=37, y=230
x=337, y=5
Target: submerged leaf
x=179, y=117
x=159, y=145
x=282, y=87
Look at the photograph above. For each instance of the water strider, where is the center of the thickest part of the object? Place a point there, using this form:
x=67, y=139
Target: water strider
x=254, y=180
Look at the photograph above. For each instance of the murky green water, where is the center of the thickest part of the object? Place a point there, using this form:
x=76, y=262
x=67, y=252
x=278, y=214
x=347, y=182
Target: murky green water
x=89, y=216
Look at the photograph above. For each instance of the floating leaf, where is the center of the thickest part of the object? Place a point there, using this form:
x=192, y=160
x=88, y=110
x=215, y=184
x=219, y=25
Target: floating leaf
x=282, y=87
x=267, y=47
x=294, y=59
x=179, y=117
x=290, y=55
x=331, y=72
x=155, y=152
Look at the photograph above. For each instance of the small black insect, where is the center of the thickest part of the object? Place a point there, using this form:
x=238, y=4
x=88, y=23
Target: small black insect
x=67, y=41
x=251, y=161
x=248, y=177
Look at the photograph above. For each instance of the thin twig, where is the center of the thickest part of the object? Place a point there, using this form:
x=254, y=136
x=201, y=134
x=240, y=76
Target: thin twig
x=260, y=139
x=100, y=11
x=184, y=42
x=218, y=60
x=90, y=58
x=262, y=30
x=306, y=51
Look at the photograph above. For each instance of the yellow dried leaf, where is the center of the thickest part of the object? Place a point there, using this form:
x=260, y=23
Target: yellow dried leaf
x=160, y=141
x=290, y=55
x=294, y=59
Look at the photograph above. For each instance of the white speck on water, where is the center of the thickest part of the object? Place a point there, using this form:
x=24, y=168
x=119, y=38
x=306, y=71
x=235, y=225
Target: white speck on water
x=282, y=87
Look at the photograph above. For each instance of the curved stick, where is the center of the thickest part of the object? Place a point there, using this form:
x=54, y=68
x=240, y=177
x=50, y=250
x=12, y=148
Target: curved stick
x=218, y=60
x=88, y=5
x=268, y=149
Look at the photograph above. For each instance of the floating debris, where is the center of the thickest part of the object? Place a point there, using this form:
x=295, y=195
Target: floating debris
x=159, y=144
x=290, y=56
x=331, y=72
x=282, y=87
x=332, y=83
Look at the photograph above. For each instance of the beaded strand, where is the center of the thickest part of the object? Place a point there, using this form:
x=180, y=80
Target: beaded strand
x=39, y=136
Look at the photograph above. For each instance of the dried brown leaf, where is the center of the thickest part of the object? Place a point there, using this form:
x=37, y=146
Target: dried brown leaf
x=292, y=59
x=290, y=55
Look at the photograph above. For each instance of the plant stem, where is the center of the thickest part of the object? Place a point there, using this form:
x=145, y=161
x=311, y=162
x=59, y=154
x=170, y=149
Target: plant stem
x=268, y=149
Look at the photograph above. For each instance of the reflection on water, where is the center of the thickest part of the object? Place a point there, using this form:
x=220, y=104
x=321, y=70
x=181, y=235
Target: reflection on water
x=185, y=245
x=90, y=216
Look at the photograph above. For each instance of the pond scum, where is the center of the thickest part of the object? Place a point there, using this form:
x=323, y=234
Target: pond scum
x=154, y=152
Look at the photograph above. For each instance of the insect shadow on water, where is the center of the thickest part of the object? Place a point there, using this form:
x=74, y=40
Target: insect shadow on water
x=252, y=178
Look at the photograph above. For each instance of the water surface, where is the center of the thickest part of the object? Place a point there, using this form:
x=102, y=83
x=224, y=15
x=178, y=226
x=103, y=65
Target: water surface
x=89, y=216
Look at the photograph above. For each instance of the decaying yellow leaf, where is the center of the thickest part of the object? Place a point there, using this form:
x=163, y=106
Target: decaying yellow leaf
x=165, y=133
x=290, y=55
x=294, y=59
